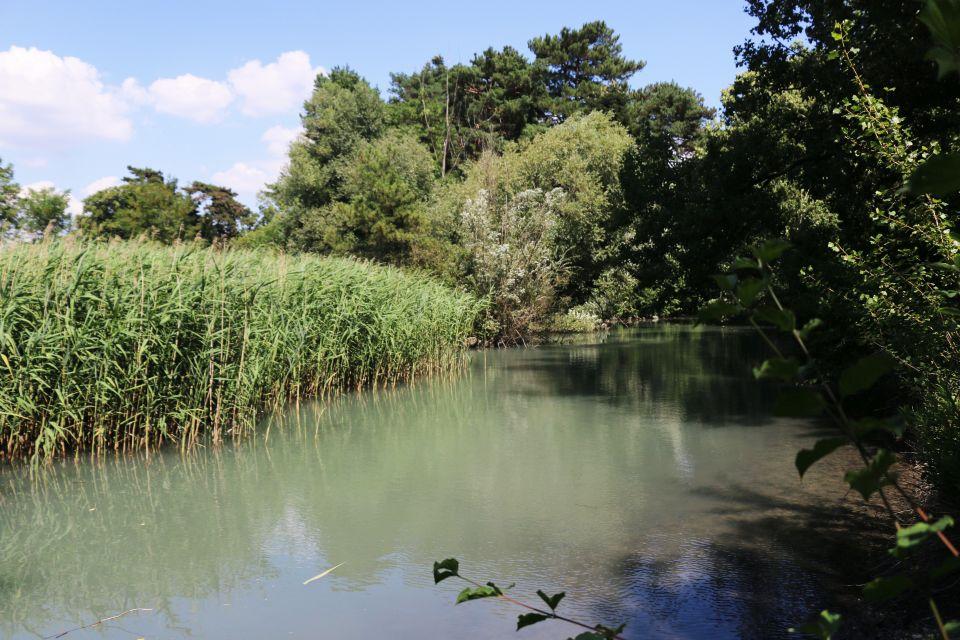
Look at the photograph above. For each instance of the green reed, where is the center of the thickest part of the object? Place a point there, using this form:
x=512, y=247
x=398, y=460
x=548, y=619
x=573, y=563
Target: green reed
x=127, y=345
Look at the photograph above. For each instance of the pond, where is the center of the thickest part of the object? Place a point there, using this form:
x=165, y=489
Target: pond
x=639, y=471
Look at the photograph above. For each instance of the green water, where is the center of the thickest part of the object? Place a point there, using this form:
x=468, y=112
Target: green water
x=640, y=472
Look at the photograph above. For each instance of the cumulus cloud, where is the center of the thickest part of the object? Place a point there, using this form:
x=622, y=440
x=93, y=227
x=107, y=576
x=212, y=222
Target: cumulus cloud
x=278, y=139
x=245, y=179
x=47, y=100
x=189, y=96
x=248, y=178
x=40, y=185
x=276, y=87
x=100, y=184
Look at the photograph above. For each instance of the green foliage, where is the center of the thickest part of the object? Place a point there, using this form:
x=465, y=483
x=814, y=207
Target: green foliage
x=666, y=116
x=488, y=590
x=799, y=403
x=938, y=176
x=583, y=157
x=864, y=373
x=450, y=568
x=585, y=69
x=131, y=345
x=823, y=627
x=9, y=195
x=880, y=589
x=343, y=112
x=222, y=217
x=806, y=458
x=764, y=303
x=551, y=601
x=444, y=569
x=43, y=211
x=527, y=619
x=942, y=17
x=146, y=204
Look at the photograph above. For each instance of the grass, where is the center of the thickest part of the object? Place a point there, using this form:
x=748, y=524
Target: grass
x=128, y=345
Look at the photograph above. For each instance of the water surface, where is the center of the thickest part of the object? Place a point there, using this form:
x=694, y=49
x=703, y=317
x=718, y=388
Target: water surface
x=640, y=472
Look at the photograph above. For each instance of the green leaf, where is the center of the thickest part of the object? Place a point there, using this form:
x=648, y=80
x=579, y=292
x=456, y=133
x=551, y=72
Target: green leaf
x=726, y=281
x=749, y=289
x=552, y=601
x=799, y=403
x=945, y=266
x=445, y=569
x=869, y=479
x=812, y=325
x=769, y=250
x=746, y=263
x=918, y=533
x=867, y=426
x=881, y=589
x=489, y=590
x=778, y=369
x=718, y=310
x=807, y=457
x=527, y=619
x=865, y=373
x=823, y=626
x=948, y=566
x=783, y=319
x=938, y=176
x=942, y=18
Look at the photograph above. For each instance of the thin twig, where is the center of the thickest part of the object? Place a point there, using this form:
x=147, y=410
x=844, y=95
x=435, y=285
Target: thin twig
x=100, y=621
x=549, y=614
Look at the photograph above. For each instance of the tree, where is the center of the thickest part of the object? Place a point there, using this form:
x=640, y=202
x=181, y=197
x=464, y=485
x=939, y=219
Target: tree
x=665, y=112
x=221, y=215
x=510, y=92
x=582, y=157
x=146, y=203
x=509, y=242
x=9, y=195
x=42, y=211
x=435, y=102
x=585, y=69
x=381, y=211
x=343, y=111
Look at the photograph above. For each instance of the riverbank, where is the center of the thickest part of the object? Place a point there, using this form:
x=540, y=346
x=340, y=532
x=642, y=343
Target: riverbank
x=130, y=345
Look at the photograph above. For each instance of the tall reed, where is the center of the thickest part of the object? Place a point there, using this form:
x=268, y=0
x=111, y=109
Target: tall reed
x=127, y=345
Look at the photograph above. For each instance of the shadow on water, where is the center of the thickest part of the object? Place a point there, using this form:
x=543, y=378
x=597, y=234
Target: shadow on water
x=595, y=468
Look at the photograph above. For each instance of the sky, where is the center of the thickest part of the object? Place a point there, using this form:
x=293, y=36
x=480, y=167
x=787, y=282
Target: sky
x=211, y=90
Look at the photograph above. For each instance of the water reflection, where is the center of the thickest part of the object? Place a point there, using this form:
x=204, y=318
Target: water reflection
x=598, y=468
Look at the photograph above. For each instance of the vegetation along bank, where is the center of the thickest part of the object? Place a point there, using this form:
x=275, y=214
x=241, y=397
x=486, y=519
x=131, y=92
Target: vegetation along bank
x=127, y=345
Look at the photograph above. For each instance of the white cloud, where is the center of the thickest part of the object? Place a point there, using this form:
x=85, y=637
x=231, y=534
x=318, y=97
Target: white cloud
x=74, y=206
x=248, y=178
x=276, y=87
x=245, y=179
x=36, y=186
x=189, y=96
x=278, y=139
x=100, y=184
x=52, y=101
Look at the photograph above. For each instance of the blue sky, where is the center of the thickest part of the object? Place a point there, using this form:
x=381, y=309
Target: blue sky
x=211, y=90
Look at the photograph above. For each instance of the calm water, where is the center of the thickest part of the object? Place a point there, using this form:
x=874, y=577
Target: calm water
x=640, y=472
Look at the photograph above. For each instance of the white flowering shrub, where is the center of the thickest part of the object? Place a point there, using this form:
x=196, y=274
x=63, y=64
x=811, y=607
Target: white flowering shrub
x=512, y=256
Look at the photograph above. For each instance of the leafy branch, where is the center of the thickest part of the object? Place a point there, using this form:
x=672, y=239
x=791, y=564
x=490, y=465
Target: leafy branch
x=748, y=290
x=450, y=568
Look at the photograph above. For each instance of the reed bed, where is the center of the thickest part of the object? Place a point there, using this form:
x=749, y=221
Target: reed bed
x=128, y=345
